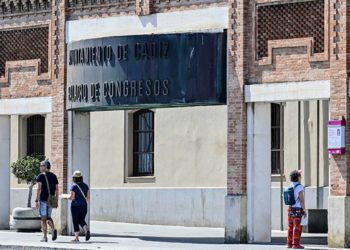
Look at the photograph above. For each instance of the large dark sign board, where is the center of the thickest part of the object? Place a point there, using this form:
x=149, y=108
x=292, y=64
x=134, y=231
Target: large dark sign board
x=147, y=71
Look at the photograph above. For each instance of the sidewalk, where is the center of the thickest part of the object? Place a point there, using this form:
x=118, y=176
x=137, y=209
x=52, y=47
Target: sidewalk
x=123, y=236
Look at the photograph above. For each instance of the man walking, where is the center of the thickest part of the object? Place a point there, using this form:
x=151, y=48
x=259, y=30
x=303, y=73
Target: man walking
x=47, y=182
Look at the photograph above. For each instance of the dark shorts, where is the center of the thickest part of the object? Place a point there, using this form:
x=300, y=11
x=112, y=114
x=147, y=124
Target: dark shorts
x=296, y=212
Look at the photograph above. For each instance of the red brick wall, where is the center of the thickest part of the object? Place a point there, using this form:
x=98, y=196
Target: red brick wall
x=291, y=61
x=59, y=113
x=236, y=108
x=339, y=104
x=23, y=79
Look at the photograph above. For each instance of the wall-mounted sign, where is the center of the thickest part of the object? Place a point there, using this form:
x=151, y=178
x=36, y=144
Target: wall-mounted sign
x=336, y=137
x=147, y=71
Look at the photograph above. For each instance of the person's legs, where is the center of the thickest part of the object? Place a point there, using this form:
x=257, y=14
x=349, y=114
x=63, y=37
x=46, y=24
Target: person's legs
x=83, y=223
x=76, y=220
x=297, y=232
x=51, y=224
x=43, y=216
x=290, y=229
x=44, y=228
x=82, y=215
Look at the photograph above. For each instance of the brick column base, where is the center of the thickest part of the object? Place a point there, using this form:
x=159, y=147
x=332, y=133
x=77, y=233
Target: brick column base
x=236, y=219
x=339, y=221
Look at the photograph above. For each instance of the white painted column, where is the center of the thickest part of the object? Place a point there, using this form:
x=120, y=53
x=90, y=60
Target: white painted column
x=79, y=151
x=4, y=172
x=259, y=172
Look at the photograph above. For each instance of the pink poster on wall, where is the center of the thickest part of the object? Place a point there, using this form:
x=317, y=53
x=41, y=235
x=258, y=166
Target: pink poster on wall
x=336, y=137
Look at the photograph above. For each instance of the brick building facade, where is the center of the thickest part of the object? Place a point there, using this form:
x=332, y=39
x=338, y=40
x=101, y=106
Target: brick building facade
x=289, y=42
x=268, y=42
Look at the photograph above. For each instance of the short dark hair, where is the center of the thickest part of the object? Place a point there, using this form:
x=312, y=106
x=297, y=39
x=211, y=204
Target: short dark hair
x=294, y=175
x=78, y=179
x=46, y=163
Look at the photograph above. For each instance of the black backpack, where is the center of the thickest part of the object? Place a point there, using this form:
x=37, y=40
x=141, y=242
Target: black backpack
x=288, y=195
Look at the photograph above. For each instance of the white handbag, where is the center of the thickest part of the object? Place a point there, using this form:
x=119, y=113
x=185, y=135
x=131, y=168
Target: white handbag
x=303, y=221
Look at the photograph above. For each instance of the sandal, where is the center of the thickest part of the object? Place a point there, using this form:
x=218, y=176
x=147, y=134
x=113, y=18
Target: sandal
x=88, y=235
x=43, y=240
x=74, y=241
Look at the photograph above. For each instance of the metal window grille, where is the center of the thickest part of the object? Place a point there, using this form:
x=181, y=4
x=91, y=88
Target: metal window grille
x=24, y=44
x=290, y=20
x=143, y=143
x=276, y=139
x=36, y=135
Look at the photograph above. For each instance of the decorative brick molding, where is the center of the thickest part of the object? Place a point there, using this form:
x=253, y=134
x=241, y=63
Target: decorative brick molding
x=10, y=8
x=88, y=4
x=161, y=5
x=290, y=21
x=337, y=28
x=21, y=77
x=17, y=65
x=23, y=45
x=308, y=43
x=81, y=9
x=143, y=7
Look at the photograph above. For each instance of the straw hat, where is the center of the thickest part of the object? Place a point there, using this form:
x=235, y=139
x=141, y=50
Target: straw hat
x=77, y=174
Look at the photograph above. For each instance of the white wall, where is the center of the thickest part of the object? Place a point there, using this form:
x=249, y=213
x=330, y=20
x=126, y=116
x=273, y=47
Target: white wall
x=4, y=171
x=164, y=206
x=190, y=148
x=213, y=18
x=258, y=172
x=190, y=169
x=208, y=203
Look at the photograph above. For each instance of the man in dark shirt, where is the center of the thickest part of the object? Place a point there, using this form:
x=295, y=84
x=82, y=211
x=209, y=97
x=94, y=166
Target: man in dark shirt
x=43, y=195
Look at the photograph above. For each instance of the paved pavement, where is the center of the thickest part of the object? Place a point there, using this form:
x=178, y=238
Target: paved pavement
x=123, y=236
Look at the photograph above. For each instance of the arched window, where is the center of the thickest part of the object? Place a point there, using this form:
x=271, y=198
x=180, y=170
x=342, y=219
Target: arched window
x=36, y=135
x=143, y=159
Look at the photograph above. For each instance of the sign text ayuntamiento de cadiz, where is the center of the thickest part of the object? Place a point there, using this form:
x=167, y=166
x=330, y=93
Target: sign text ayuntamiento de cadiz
x=151, y=70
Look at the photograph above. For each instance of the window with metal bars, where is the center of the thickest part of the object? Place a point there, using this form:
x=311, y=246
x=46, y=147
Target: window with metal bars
x=276, y=139
x=143, y=160
x=36, y=135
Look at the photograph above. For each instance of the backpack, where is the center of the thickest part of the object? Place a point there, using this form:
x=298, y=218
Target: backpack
x=288, y=195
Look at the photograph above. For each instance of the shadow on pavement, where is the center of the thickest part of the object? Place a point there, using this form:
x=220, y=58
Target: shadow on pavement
x=195, y=240
x=311, y=240
x=314, y=240
x=86, y=242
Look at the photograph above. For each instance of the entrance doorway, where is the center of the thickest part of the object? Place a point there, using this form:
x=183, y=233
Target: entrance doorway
x=299, y=141
x=286, y=125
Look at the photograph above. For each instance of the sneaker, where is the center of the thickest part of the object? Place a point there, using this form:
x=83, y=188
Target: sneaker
x=88, y=235
x=289, y=246
x=298, y=247
x=54, y=234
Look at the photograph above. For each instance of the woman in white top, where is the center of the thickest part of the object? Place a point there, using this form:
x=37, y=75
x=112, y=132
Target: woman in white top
x=296, y=211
